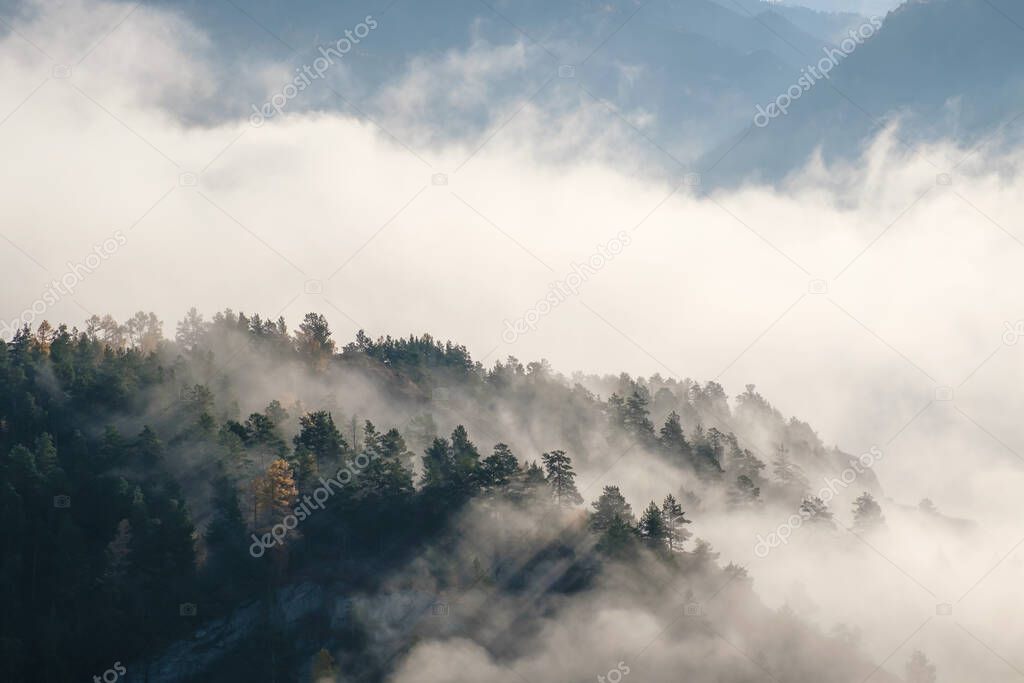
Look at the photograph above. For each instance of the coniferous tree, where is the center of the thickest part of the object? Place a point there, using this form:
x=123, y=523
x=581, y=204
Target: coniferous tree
x=313, y=340
x=529, y=484
x=450, y=467
x=561, y=478
x=436, y=464
x=609, y=505
x=46, y=461
x=789, y=475
x=385, y=476
x=744, y=492
x=673, y=441
x=190, y=331
x=816, y=512
x=497, y=469
x=652, y=527
x=319, y=436
x=867, y=513
x=618, y=540
x=226, y=533
x=676, y=533
x=465, y=462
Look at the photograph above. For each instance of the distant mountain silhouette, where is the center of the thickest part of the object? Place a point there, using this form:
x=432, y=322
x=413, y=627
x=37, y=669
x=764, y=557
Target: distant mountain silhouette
x=944, y=68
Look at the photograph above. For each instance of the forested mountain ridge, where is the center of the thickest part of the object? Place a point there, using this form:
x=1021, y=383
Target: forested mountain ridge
x=148, y=486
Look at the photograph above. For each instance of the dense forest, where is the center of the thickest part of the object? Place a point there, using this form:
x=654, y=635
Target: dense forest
x=248, y=503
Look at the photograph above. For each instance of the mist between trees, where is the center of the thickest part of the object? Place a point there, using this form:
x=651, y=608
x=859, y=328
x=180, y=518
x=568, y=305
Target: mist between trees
x=585, y=515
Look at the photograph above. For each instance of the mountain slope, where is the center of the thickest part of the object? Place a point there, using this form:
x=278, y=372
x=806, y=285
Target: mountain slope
x=942, y=68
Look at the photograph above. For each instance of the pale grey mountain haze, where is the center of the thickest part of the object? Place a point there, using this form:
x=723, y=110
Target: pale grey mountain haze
x=567, y=258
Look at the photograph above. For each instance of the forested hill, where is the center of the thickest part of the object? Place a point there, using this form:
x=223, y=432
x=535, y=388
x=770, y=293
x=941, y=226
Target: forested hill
x=249, y=503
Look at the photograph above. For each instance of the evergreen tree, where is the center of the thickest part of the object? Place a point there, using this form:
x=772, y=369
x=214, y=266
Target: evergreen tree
x=561, y=478
x=436, y=464
x=618, y=539
x=867, y=513
x=707, y=452
x=319, y=436
x=789, y=475
x=190, y=331
x=631, y=413
x=148, y=447
x=276, y=413
x=652, y=527
x=313, y=341
x=451, y=466
x=814, y=510
x=676, y=533
x=607, y=507
x=465, y=462
x=46, y=461
x=673, y=441
x=744, y=492
x=529, y=484
x=497, y=469
x=226, y=533
x=385, y=476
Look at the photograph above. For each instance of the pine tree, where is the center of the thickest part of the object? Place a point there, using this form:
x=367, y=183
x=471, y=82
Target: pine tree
x=744, y=492
x=276, y=413
x=46, y=455
x=320, y=437
x=465, y=460
x=814, y=510
x=528, y=484
x=226, y=532
x=789, y=475
x=436, y=464
x=631, y=413
x=675, y=521
x=652, y=527
x=618, y=540
x=497, y=469
x=744, y=463
x=673, y=441
x=190, y=331
x=385, y=475
x=561, y=478
x=148, y=446
x=607, y=507
x=313, y=340
x=867, y=513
